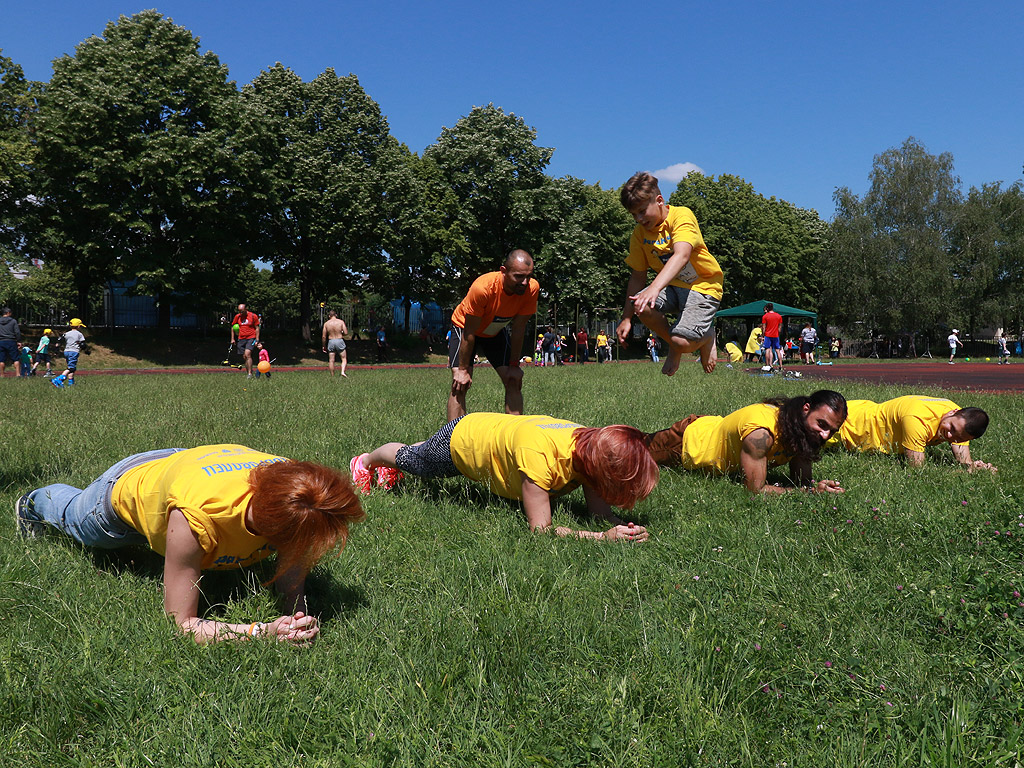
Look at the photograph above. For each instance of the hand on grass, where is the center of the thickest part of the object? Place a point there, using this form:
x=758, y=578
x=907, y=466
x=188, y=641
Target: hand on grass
x=828, y=486
x=979, y=464
x=629, y=532
x=299, y=629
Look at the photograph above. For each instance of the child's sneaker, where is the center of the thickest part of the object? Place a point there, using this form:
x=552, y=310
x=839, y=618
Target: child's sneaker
x=28, y=526
x=361, y=476
x=58, y=381
x=388, y=477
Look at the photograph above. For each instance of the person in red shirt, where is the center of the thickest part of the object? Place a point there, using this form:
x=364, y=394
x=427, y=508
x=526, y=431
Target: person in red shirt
x=582, y=352
x=771, y=324
x=247, y=335
x=480, y=324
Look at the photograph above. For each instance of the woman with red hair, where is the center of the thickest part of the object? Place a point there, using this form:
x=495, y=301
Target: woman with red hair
x=532, y=459
x=213, y=507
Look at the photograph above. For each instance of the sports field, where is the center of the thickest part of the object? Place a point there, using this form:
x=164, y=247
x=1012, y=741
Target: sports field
x=879, y=627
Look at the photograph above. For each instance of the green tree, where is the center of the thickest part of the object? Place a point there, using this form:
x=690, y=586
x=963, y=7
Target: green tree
x=988, y=257
x=491, y=163
x=17, y=152
x=582, y=263
x=899, y=236
x=332, y=161
x=145, y=166
x=767, y=248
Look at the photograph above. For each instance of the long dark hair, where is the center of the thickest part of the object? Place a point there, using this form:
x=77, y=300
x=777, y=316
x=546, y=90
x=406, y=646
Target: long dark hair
x=791, y=430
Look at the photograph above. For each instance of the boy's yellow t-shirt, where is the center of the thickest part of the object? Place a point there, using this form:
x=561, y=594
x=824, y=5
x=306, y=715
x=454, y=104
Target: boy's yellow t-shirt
x=909, y=422
x=735, y=356
x=651, y=250
x=754, y=340
x=210, y=485
x=714, y=443
x=494, y=448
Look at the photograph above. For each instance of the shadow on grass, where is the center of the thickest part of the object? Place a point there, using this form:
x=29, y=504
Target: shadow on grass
x=327, y=597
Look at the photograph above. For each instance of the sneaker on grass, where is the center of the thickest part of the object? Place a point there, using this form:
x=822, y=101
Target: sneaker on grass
x=388, y=477
x=28, y=526
x=361, y=476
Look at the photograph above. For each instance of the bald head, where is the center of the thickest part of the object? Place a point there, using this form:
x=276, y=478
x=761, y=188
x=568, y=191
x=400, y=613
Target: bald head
x=516, y=272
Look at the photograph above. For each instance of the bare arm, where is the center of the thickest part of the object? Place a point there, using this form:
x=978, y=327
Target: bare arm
x=462, y=375
x=914, y=458
x=637, y=279
x=963, y=456
x=754, y=463
x=537, y=505
x=681, y=252
x=518, y=334
x=182, y=572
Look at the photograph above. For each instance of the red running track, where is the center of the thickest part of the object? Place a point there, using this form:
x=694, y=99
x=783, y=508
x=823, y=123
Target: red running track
x=969, y=377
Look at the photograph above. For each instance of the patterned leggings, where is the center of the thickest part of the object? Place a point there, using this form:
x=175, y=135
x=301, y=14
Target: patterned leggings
x=432, y=457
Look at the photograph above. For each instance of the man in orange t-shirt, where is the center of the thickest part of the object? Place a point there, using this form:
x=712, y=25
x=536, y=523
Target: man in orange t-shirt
x=248, y=334
x=480, y=325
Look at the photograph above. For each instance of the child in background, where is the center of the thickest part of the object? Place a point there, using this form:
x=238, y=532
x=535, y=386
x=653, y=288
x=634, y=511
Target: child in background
x=43, y=352
x=73, y=341
x=263, y=355
x=25, y=358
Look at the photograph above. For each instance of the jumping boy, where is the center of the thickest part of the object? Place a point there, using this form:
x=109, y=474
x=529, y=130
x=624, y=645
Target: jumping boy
x=688, y=279
x=73, y=341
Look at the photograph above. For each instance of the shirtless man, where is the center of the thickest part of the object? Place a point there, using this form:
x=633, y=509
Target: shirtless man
x=333, y=337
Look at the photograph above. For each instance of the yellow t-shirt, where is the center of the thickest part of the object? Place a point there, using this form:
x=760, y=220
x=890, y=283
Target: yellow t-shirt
x=651, y=250
x=714, y=443
x=735, y=356
x=210, y=485
x=602, y=340
x=494, y=448
x=754, y=341
x=909, y=422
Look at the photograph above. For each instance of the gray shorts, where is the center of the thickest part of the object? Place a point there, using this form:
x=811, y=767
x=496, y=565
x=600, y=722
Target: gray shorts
x=696, y=311
x=335, y=345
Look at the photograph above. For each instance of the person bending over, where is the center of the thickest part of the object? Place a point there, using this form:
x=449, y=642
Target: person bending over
x=532, y=459
x=214, y=507
x=755, y=438
x=906, y=425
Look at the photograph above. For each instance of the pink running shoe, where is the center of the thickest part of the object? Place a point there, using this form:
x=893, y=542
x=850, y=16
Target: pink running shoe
x=388, y=477
x=361, y=476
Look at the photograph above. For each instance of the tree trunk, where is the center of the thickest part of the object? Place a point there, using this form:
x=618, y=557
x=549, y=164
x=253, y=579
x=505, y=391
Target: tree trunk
x=163, y=314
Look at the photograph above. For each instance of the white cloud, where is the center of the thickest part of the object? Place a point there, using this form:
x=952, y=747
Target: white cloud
x=669, y=177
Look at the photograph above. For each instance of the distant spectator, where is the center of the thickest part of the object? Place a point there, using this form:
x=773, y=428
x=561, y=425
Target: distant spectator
x=954, y=342
x=753, y=350
x=10, y=336
x=834, y=346
x=43, y=352
x=771, y=324
x=333, y=338
x=808, y=339
x=1003, y=349
x=382, y=345
x=582, y=352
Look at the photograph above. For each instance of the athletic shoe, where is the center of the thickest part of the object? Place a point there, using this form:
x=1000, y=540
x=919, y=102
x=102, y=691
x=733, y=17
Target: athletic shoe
x=248, y=376
x=28, y=527
x=361, y=476
x=951, y=362
x=388, y=477
x=58, y=381
x=766, y=368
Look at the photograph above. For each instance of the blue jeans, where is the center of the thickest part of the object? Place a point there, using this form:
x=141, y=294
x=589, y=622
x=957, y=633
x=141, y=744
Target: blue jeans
x=87, y=515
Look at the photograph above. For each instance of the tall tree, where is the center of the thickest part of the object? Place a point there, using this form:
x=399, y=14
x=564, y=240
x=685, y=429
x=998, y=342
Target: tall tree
x=767, y=248
x=490, y=161
x=582, y=262
x=331, y=160
x=17, y=107
x=145, y=167
x=899, y=235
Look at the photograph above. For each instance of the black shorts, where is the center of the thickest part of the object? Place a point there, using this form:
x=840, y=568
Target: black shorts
x=806, y=348
x=432, y=457
x=497, y=349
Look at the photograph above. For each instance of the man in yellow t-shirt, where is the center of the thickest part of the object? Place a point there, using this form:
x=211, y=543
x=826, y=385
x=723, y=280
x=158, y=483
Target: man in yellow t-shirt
x=753, y=349
x=735, y=355
x=688, y=280
x=532, y=459
x=908, y=424
x=753, y=439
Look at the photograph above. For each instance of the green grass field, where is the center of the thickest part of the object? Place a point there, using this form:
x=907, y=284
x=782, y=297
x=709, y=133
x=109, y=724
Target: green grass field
x=880, y=627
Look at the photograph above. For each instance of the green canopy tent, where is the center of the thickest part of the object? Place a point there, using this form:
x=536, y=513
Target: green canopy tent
x=755, y=309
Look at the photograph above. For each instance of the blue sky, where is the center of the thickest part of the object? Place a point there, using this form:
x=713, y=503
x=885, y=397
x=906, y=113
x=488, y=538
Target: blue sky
x=795, y=97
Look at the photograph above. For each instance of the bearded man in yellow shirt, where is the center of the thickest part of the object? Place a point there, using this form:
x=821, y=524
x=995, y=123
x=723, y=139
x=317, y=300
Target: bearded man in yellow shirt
x=907, y=425
x=753, y=439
